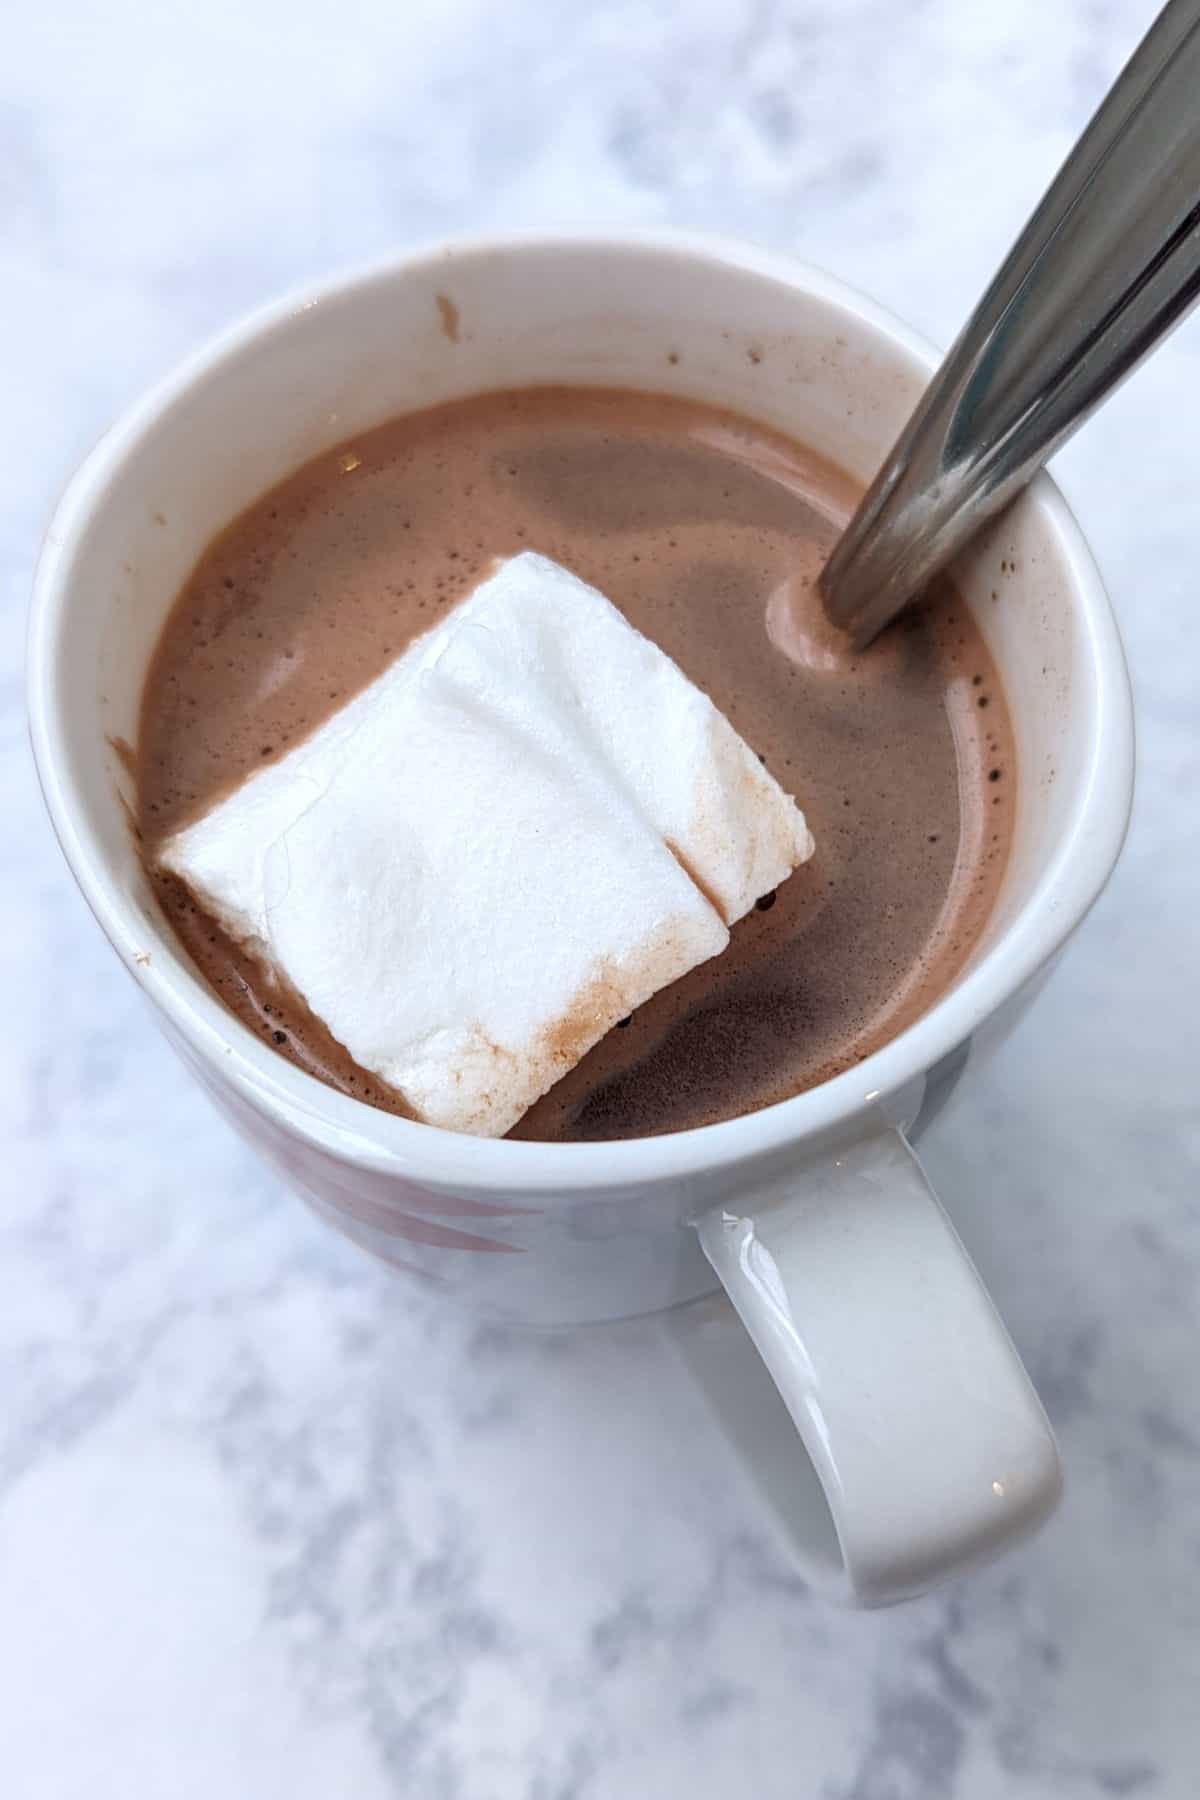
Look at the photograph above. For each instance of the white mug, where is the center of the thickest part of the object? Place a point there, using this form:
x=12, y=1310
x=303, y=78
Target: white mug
x=928, y=1439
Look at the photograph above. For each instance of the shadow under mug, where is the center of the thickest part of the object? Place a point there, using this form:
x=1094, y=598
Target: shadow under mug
x=930, y=1446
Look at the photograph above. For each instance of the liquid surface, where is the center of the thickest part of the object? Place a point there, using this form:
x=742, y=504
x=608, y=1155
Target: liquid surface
x=708, y=532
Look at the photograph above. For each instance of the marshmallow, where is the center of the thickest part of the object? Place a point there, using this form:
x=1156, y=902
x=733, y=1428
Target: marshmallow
x=527, y=825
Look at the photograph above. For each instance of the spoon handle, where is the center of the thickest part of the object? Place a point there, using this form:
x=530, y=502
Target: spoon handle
x=1107, y=265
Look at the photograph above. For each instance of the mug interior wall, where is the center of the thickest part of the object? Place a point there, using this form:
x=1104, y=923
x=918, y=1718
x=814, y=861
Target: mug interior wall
x=650, y=318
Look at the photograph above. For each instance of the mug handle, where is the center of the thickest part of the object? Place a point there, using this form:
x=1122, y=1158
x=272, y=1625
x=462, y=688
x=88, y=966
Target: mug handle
x=924, y=1429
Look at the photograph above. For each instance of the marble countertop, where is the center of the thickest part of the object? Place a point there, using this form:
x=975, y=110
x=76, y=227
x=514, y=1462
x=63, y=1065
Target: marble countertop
x=273, y=1524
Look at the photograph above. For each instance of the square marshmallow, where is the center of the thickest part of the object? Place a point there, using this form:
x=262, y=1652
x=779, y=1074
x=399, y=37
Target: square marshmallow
x=527, y=825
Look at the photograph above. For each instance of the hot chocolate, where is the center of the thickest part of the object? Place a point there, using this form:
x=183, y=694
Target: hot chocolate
x=707, y=531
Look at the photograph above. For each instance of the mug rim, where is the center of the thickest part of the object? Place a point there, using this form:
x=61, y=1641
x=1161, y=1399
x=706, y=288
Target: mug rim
x=346, y=1127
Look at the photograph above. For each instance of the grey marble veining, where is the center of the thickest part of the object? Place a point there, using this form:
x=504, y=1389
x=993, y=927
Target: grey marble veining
x=272, y=1524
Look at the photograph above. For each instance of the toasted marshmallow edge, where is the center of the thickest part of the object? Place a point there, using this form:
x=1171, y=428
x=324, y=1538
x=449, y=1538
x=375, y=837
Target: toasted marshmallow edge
x=525, y=827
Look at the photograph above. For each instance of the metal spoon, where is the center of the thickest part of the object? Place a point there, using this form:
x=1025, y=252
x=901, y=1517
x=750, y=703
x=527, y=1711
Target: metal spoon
x=1106, y=267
